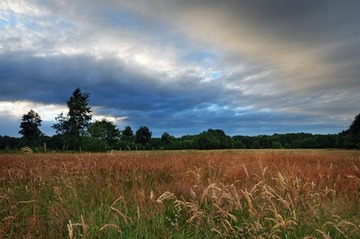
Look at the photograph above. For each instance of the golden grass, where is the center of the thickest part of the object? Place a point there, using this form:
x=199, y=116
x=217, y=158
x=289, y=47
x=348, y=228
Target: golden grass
x=183, y=194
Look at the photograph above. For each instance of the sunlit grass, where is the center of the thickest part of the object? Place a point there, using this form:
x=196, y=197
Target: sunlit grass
x=181, y=194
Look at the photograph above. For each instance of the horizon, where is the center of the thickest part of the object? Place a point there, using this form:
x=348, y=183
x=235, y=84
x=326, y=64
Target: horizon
x=183, y=67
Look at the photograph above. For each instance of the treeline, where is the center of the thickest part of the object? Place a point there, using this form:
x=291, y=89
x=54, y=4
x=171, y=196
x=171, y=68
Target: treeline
x=76, y=131
x=217, y=139
x=210, y=139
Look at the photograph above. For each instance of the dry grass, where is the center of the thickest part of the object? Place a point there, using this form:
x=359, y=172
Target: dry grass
x=181, y=194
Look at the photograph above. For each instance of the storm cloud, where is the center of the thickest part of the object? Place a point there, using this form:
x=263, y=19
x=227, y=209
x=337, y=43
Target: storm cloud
x=248, y=67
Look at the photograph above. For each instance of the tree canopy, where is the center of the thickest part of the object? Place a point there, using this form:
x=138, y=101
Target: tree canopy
x=355, y=126
x=352, y=138
x=127, y=134
x=104, y=131
x=30, y=126
x=214, y=139
x=77, y=120
x=143, y=135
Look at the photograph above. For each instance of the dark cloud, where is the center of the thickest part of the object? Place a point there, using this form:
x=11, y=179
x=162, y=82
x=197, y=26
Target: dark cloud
x=248, y=67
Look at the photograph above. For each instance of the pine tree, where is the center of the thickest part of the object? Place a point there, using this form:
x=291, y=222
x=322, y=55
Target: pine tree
x=76, y=122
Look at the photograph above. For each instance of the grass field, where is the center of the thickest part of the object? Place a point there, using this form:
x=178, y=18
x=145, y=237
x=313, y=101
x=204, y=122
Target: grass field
x=181, y=194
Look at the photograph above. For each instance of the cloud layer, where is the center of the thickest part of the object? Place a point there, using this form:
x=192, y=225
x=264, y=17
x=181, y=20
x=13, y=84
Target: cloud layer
x=248, y=67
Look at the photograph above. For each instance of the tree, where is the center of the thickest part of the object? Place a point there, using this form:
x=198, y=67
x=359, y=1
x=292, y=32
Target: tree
x=214, y=139
x=238, y=144
x=127, y=134
x=30, y=126
x=355, y=126
x=7, y=142
x=352, y=139
x=77, y=120
x=79, y=112
x=166, y=140
x=143, y=135
x=276, y=145
x=61, y=126
x=104, y=131
x=255, y=145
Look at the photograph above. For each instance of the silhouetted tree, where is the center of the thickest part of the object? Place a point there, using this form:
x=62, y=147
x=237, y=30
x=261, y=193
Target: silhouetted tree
x=143, y=135
x=8, y=143
x=214, y=139
x=352, y=139
x=127, y=134
x=30, y=127
x=77, y=120
x=354, y=128
x=167, y=140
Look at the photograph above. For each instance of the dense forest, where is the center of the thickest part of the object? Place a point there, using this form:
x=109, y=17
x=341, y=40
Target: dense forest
x=76, y=131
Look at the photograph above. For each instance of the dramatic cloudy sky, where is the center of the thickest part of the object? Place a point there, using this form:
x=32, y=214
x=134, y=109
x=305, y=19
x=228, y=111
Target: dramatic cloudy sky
x=248, y=67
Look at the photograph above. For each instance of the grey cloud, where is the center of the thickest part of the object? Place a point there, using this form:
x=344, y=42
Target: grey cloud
x=39, y=79
x=283, y=64
x=291, y=37
x=112, y=87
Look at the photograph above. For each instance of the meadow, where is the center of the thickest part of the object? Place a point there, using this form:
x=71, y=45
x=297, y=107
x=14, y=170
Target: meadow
x=181, y=194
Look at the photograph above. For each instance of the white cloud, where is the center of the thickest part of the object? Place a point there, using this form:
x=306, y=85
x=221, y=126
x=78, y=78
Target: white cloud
x=17, y=109
x=23, y=7
x=203, y=50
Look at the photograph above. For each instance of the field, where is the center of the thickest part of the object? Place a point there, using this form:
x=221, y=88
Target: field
x=181, y=194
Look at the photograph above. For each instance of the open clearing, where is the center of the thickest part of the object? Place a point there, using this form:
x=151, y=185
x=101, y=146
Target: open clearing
x=181, y=194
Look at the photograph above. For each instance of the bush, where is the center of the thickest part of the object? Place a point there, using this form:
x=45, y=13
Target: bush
x=255, y=145
x=276, y=145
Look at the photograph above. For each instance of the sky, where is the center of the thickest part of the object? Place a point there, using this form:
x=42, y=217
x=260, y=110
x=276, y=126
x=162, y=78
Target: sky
x=248, y=67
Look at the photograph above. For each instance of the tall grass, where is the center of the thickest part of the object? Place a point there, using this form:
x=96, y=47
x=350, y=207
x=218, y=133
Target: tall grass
x=181, y=194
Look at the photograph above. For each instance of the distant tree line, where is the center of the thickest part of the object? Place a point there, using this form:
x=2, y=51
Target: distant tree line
x=76, y=131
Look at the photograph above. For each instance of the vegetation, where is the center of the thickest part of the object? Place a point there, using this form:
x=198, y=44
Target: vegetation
x=181, y=194
x=103, y=136
x=29, y=125
x=75, y=131
x=205, y=140
x=352, y=135
x=143, y=136
x=75, y=124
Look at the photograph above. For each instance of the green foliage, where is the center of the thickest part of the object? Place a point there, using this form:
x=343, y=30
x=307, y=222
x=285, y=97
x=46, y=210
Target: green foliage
x=104, y=131
x=167, y=141
x=61, y=126
x=79, y=112
x=127, y=134
x=352, y=141
x=352, y=137
x=105, y=136
x=355, y=126
x=238, y=144
x=75, y=123
x=255, y=145
x=213, y=139
x=30, y=128
x=143, y=135
x=125, y=145
x=8, y=143
x=94, y=144
x=276, y=145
